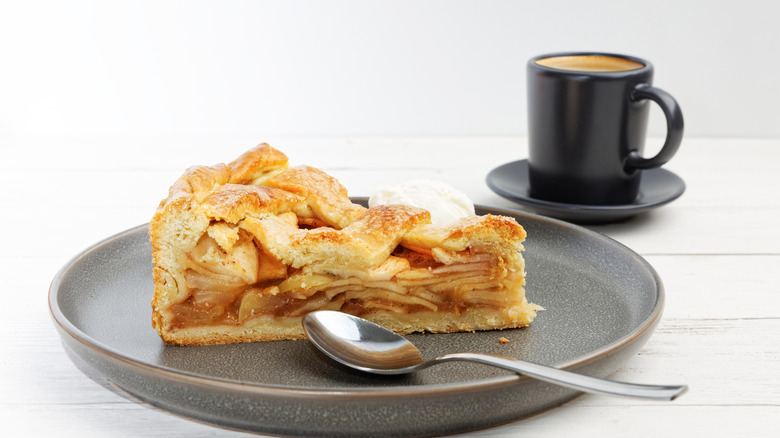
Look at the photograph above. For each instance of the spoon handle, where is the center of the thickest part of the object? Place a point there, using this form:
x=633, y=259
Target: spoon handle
x=570, y=379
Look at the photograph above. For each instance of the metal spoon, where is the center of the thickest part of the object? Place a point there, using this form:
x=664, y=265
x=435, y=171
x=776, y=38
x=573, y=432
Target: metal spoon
x=371, y=348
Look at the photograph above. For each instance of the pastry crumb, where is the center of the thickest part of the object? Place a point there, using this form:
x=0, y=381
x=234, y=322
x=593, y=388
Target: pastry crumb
x=503, y=340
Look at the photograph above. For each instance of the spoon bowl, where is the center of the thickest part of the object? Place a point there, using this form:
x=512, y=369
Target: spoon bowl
x=361, y=344
x=369, y=347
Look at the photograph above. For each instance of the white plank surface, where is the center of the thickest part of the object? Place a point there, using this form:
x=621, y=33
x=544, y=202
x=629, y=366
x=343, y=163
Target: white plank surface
x=717, y=249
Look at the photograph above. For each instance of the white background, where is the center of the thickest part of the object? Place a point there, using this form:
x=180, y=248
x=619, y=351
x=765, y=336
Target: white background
x=364, y=68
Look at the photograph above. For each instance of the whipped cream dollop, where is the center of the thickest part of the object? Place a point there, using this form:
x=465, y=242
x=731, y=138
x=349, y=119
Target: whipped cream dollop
x=445, y=203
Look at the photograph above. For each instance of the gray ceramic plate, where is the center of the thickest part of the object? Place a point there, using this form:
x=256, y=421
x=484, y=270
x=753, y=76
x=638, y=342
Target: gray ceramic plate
x=603, y=302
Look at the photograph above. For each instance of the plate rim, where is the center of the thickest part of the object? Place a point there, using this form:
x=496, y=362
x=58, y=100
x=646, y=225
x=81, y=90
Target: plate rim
x=338, y=393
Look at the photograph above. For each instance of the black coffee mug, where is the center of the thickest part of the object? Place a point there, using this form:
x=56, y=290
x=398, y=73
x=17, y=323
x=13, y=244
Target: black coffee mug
x=587, y=122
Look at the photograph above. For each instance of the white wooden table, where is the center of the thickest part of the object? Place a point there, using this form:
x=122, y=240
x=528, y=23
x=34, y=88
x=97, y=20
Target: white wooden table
x=717, y=249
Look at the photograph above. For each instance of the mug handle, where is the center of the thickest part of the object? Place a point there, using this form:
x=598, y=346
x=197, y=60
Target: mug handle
x=674, y=128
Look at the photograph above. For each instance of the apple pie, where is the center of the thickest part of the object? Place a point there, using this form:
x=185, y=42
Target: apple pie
x=243, y=250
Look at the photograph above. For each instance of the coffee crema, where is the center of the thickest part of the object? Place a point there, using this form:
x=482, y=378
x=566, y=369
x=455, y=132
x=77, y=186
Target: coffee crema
x=589, y=63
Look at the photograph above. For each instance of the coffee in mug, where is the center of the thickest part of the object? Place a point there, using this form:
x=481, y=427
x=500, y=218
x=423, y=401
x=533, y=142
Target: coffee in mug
x=587, y=122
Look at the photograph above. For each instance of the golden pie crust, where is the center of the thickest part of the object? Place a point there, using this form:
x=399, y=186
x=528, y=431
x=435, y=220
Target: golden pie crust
x=243, y=250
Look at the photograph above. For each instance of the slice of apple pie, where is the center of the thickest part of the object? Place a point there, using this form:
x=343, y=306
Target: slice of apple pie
x=243, y=250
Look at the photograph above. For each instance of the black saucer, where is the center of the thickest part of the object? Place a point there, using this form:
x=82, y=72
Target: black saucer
x=658, y=187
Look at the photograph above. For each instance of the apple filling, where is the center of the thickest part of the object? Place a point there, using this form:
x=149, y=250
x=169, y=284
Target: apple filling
x=231, y=278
